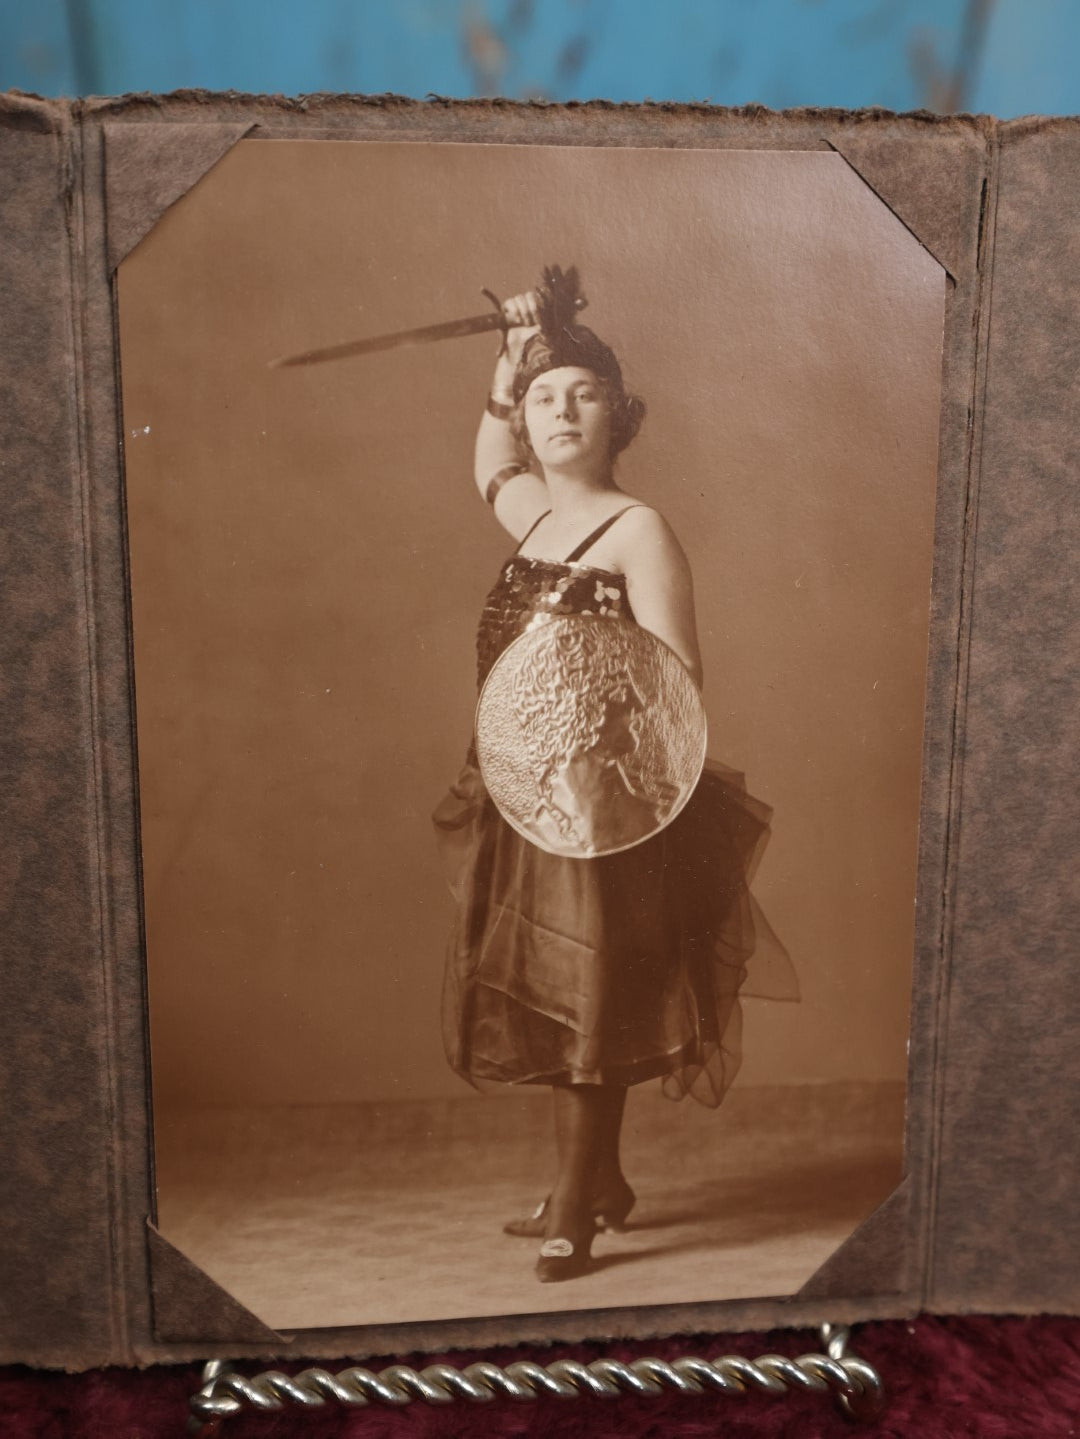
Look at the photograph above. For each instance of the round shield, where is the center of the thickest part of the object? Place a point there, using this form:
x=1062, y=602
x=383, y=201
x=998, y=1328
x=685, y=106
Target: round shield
x=590, y=734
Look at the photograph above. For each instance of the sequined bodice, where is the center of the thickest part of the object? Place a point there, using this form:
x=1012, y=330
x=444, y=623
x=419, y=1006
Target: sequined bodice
x=529, y=590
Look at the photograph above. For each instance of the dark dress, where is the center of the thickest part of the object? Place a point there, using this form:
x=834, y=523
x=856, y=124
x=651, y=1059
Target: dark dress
x=609, y=970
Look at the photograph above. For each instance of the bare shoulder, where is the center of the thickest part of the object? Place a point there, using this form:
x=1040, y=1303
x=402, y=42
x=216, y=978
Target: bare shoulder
x=644, y=536
x=659, y=584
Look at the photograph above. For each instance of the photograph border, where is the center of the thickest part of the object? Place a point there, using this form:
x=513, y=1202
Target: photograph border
x=881, y=1270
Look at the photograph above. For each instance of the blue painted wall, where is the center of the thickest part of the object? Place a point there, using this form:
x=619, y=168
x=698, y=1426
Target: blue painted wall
x=1007, y=57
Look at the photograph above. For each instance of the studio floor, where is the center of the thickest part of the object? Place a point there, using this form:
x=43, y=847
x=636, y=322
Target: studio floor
x=392, y=1213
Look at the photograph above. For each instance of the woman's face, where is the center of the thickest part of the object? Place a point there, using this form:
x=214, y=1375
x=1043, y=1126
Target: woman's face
x=567, y=418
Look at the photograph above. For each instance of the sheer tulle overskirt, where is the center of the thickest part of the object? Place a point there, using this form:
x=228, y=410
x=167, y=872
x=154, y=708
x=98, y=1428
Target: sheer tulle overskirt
x=612, y=970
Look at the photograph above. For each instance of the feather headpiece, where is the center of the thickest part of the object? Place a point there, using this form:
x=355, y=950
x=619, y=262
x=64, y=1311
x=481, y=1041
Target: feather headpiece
x=561, y=340
x=559, y=299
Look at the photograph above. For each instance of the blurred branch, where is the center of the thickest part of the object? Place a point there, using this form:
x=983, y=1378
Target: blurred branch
x=84, y=51
x=945, y=91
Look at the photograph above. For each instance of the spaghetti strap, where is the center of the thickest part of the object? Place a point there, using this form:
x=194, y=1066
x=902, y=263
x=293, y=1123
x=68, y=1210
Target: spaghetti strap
x=529, y=531
x=590, y=540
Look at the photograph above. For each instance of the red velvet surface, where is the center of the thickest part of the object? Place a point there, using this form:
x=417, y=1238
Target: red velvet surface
x=993, y=1378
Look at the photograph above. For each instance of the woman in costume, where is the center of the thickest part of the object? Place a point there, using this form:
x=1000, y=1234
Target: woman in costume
x=589, y=975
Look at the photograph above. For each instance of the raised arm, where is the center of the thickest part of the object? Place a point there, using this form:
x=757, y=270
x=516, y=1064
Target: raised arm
x=515, y=491
x=658, y=582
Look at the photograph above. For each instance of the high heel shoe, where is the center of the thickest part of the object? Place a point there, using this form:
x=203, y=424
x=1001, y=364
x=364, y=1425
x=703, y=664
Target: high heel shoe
x=533, y=1225
x=561, y=1258
x=608, y=1214
x=612, y=1214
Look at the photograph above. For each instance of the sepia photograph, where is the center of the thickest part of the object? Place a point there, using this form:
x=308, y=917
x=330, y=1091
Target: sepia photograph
x=530, y=557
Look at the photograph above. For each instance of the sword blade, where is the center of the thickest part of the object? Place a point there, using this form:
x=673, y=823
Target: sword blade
x=447, y=330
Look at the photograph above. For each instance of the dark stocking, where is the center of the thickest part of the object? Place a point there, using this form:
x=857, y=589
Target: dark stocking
x=609, y=1185
x=588, y=1120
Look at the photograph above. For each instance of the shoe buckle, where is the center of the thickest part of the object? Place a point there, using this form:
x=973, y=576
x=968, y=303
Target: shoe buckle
x=556, y=1249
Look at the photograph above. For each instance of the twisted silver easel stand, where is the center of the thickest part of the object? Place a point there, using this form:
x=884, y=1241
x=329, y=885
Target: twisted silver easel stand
x=854, y=1383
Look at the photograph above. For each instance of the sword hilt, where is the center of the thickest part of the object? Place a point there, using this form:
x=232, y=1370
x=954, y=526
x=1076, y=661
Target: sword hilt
x=580, y=303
